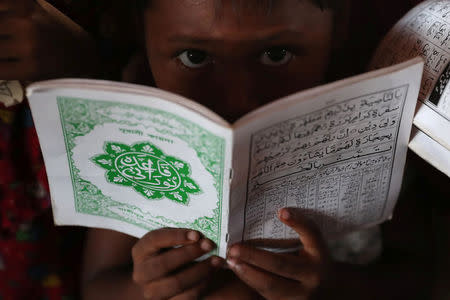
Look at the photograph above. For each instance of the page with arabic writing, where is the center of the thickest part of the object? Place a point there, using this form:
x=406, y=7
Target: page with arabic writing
x=337, y=152
x=425, y=32
x=132, y=161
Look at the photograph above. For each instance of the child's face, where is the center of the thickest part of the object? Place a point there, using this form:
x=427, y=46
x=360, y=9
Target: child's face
x=234, y=58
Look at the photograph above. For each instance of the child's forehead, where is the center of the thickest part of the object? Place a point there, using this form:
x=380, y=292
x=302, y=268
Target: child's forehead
x=238, y=15
x=239, y=7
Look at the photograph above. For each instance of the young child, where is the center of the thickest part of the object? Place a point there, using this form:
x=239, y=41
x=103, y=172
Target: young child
x=232, y=56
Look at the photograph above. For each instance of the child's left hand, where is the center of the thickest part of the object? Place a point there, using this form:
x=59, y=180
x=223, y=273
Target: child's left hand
x=283, y=276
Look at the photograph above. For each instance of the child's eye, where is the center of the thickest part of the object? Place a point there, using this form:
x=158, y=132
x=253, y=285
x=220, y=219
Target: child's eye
x=276, y=57
x=194, y=58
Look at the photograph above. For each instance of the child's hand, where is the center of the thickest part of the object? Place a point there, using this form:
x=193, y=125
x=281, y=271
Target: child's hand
x=283, y=276
x=35, y=44
x=163, y=274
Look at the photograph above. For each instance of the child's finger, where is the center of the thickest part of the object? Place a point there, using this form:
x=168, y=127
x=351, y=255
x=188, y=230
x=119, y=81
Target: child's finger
x=268, y=285
x=156, y=240
x=309, y=233
x=158, y=266
x=289, y=266
x=193, y=293
x=176, y=284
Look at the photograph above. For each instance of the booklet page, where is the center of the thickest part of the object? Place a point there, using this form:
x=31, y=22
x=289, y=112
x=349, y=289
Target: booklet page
x=430, y=150
x=339, y=156
x=425, y=32
x=132, y=163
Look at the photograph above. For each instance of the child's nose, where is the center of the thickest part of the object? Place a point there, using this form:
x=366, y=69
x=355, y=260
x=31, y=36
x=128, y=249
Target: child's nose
x=238, y=95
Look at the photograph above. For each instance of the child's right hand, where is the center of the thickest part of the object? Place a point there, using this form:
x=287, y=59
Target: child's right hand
x=172, y=273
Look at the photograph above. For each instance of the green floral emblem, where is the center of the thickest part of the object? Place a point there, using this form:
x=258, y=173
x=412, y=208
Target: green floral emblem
x=144, y=167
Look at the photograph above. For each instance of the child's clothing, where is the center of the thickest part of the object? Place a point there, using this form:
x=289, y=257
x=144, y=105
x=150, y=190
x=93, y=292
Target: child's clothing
x=35, y=261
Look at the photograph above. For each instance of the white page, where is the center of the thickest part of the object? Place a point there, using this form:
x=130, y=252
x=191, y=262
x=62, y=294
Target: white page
x=430, y=150
x=187, y=185
x=337, y=151
x=425, y=32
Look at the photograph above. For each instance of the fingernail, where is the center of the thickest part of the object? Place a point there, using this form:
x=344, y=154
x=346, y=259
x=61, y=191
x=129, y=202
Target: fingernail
x=206, y=245
x=216, y=261
x=232, y=263
x=234, y=252
x=284, y=214
x=193, y=236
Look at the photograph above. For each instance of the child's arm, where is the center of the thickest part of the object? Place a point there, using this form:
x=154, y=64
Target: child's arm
x=107, y=266
x=284, y=276
x=38, y=43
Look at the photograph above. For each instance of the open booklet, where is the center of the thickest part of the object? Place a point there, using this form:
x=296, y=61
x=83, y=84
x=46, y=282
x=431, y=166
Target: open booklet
x=133, y=158
x=425, y=32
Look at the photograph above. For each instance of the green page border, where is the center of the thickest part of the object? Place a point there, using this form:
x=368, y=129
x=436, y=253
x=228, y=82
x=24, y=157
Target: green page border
x=80, y=116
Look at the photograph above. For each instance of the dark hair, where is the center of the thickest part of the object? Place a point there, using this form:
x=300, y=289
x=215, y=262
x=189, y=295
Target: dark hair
x=323, y=4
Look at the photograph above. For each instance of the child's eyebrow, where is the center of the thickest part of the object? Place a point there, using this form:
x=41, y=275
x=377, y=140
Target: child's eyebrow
x=267, y=37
